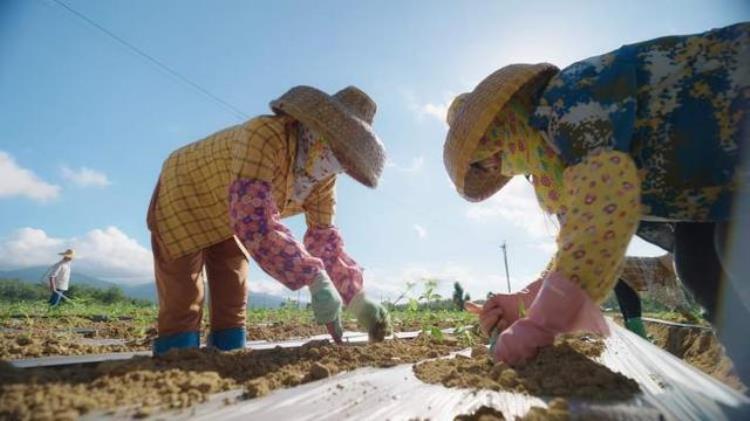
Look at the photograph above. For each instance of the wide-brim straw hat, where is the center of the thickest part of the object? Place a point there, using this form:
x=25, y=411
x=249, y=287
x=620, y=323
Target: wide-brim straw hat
x=69, y=253
x=469, y=116
x=345, y=120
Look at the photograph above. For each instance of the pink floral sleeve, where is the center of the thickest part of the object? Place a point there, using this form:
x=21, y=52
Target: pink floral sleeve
x=257, y=223
x=327, y=244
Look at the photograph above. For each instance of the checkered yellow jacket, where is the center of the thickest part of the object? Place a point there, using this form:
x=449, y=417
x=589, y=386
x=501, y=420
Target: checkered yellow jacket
x=190, y=209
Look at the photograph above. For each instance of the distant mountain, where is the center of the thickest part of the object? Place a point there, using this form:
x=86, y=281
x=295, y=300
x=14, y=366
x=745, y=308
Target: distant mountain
x=263, y=300
x=145, y=291
x=35, y=274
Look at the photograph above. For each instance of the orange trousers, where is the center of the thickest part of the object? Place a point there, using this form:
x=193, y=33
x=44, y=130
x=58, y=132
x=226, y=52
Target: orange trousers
x=179, y=283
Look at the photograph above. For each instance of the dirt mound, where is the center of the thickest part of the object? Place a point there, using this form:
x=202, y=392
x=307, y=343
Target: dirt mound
x=557, y=410
x=281, y=331
x=698, y=347
x=183, y=378
x=483, y=413
x=40, y=344
x=565, y=369
x=88, y=326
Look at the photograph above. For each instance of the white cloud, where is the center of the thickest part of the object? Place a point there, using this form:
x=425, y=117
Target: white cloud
x=432, y=110
x=415, y=166
x=548, y=246
x=264, y=284
x=421, y=231
x=85, y=177
x=391, y=284
x=438, y=111
x=517, y=204
x=105, y=253
x=18, y=181
x=639, y=247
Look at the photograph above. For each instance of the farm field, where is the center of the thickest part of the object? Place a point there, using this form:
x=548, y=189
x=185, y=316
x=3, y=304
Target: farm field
x=143, y=386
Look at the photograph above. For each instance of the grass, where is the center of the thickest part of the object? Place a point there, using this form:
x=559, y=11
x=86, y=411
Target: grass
x=144, y=316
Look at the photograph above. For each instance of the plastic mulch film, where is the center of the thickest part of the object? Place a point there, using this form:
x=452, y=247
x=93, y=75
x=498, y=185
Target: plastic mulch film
x=671, y=389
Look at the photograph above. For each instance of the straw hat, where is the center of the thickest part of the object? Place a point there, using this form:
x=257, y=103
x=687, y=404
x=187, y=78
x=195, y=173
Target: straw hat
x=471, y=113
x=69, y=253
x=345, y=120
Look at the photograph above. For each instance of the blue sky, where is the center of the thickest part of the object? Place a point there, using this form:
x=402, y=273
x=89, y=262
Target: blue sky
x=85, y=123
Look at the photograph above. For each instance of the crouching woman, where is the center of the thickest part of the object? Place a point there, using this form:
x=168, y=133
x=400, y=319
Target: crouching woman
x=649, y=132
x=224, y=196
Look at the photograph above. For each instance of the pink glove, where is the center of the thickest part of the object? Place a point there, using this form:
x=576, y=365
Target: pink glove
x=501, y=310
x=560, y=306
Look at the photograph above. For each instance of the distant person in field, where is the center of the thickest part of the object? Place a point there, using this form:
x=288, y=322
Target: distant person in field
x=656, y=276
x=650, y=132
x=59, y=277
x=223, y=197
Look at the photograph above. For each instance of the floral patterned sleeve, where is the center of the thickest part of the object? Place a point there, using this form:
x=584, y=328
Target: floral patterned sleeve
x=327, y=244
x=603, y=211
x=257, y=223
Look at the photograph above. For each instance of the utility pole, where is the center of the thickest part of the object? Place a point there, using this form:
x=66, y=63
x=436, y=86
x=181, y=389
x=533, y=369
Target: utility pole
x=505, y=259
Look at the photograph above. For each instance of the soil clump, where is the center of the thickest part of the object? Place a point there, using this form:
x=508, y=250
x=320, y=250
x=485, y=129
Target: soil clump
x=566, y=369
x=182, y=378
x=15, y=346
x=698, y=347
x=556, y=410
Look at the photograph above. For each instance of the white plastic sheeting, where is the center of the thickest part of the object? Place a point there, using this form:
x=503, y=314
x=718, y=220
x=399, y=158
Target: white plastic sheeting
x=671, y=389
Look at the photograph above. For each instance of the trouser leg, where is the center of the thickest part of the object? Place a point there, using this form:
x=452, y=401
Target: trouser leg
x=697, y=264
x=630, y=306
x=734, y=312
x=55, y=298
x=698, y=251
x=628, y=299
x=179, y=285
x=227, y=270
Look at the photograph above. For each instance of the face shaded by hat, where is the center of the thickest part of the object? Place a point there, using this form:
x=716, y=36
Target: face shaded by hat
x=471, y=114
x=345, y=121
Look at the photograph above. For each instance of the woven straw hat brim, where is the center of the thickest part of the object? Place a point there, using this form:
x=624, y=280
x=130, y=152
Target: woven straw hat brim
x=472, y=119
x=353, y=142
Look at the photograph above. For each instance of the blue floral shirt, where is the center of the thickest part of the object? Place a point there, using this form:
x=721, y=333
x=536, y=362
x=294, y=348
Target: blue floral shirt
x=676, y=104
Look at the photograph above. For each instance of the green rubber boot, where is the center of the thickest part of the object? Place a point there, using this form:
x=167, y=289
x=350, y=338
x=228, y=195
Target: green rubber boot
x=635, y=325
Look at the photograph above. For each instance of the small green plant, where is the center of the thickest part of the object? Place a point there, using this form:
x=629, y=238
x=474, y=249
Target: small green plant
x=464, y=335
x=404, y=293
x=434, y=332
x=413, y=306
x=430, y=295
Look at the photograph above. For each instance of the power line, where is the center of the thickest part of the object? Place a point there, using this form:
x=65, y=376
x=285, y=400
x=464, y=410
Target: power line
x=154, y=61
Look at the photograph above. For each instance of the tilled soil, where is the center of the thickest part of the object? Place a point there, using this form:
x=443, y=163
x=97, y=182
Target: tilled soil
x=41, y=344
x=186, y=377
x=557, y=410
x=40, y=336
x=279, y=331
x=89, y=327
x=564, y=370
x=698, y=347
